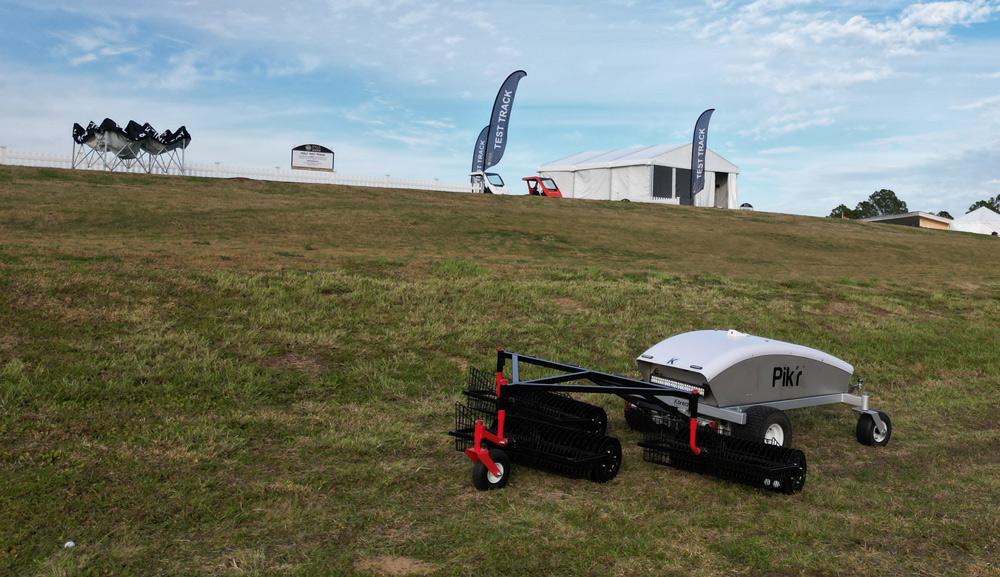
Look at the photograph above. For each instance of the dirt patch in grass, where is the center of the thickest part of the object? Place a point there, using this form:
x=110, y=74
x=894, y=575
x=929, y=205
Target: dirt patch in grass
x=837, y=308
x=570, y=305
x=395, y=566
x=463, y=364
x=8, y=342
x=296, y=361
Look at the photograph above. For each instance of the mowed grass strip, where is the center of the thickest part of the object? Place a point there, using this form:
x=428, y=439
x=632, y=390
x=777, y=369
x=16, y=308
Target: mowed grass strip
x=234, y=377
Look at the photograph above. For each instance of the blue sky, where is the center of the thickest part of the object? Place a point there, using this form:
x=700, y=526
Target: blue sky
x=818, y=103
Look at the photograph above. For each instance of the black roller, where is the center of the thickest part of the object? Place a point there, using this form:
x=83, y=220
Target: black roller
x=563, y=451
x=559, y=409
x=742, y=460
x=607, y=468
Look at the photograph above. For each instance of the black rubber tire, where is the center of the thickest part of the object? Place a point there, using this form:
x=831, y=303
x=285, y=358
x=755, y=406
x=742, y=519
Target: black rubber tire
x=608, y=468
x=637, y=418
x=867, y=434
x=486, y=481
x=760, y=419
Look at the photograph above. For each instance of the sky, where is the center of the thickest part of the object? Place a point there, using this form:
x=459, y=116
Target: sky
x=818, y=103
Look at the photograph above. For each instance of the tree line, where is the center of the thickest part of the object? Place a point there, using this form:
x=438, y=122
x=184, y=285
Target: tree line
x=885, y=202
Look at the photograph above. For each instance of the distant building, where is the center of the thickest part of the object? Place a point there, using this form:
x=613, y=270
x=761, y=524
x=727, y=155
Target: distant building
x=660, y=174
x=918, y=219
x=980, y=221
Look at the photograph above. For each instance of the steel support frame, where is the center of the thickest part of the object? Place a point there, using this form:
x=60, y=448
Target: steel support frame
x=603, y=383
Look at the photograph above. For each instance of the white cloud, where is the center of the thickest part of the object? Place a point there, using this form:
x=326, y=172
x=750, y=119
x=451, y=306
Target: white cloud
x=438, y=124
x=782, y=150
x=802, y=49
x=944, y=14
x=91, y=57
x=985, y=103
x=789, y=122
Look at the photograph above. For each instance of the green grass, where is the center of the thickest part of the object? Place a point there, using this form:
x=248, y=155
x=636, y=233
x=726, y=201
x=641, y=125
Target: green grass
x=236, y=377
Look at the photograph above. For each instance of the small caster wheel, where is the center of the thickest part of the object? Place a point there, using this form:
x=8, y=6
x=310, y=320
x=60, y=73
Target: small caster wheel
x=484, y=480
x=868, y=433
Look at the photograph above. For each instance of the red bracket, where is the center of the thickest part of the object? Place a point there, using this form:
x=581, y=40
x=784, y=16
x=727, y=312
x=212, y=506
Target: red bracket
x=478, y=453
x=693, y=411
x=500, y=382
x=694, y=429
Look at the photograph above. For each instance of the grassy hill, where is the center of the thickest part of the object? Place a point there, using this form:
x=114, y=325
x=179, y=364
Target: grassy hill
x=235, y=377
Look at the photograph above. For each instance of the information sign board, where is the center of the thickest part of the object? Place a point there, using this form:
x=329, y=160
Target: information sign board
x=312, y=157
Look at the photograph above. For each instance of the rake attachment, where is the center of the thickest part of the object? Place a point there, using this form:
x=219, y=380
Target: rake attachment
x=539, y=429
x=746, y=461
x=534, y=423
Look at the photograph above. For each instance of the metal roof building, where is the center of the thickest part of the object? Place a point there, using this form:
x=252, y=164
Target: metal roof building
x=918, y=219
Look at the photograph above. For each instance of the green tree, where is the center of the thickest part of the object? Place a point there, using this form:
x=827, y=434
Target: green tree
x=885, y=202
x=991, y=203
x=865, y=209
x=842, y=212
x=946, y=214
x=881, y=202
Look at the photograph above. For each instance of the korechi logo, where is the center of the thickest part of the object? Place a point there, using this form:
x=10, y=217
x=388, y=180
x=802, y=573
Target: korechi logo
x=786, y=377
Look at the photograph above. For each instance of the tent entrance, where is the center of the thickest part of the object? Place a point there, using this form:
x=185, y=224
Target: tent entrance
x=721, y=189
x=682, y=186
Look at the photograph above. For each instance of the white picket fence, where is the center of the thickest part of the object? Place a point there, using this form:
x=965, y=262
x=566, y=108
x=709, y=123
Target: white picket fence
x=278, y=174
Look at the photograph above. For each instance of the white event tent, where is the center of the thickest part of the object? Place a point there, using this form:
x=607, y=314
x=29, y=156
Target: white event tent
x=660, y=173
x=981, y=221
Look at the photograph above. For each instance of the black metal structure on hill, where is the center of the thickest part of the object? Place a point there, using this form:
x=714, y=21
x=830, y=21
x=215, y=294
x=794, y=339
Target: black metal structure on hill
x=112, y=147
